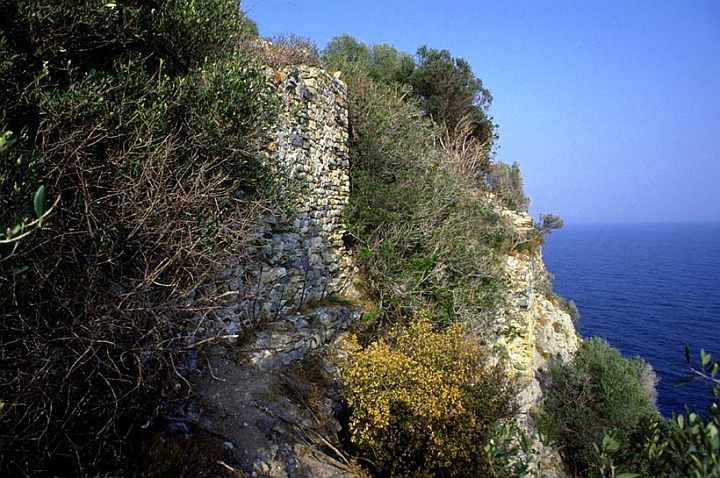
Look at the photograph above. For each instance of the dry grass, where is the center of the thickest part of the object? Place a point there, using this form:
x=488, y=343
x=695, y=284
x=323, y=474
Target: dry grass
x=97, y=327
x=283, y=51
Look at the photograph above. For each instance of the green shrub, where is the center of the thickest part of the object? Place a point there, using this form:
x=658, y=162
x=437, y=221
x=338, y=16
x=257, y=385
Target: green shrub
x=141, y=119
x=687, y=444
x=427, y=239
x=426, y=402
x=426, y=234
x=598, y=392
x=506, y=182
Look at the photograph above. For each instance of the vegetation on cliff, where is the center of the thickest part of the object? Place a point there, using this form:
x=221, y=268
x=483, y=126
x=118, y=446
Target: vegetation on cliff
x=426, y=222
x=424, y=402
x=416, y=217
x=598, y=410
x=427, y=234
x=599, y=391
x=136, y=120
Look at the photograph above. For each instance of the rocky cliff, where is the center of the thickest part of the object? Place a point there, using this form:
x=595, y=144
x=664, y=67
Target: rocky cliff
x=278, y=403
x=536, y=329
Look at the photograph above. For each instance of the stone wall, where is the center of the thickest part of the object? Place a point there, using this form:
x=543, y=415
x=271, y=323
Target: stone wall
x=301, y=257
x=302, y=247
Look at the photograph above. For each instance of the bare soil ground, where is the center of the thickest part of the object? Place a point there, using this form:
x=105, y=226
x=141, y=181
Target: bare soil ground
x=276, y=423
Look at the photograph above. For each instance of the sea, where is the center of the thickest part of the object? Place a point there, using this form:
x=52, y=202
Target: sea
x=649, y=290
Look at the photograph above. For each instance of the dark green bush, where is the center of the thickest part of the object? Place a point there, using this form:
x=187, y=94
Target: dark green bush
x=598, y=392
x=141, y=119
x=450, y=92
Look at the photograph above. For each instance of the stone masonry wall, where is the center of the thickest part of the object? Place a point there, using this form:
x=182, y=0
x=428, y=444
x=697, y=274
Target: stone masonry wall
x=301, y=258
x=302, y=248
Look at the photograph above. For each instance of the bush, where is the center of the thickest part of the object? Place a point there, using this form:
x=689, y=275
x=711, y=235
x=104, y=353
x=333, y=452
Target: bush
x=425, y=236
x=141, y=120
x=287, y=50
x=506, y=182
x=687, y=444
x=426, y=402
x=598, y=392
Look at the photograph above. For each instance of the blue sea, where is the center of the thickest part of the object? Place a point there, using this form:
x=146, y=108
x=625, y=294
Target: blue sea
x=648, y=289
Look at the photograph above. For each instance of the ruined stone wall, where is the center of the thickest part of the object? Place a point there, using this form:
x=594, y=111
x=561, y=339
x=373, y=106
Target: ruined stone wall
x=302, y=247
x=301, y=258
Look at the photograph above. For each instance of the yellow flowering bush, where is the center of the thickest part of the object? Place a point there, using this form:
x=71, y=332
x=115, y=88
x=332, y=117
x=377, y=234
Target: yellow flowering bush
x=423, y=403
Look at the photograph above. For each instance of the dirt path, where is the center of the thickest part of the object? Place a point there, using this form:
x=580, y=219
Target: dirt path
x=277, y=420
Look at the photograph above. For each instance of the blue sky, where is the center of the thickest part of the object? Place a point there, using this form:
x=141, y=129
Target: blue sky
x=612, y=108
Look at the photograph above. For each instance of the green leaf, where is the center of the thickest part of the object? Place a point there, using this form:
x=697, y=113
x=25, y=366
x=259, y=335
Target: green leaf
x=705, y=357
x=684, y=381
x=40, y=201
x=630, y=475
x=15, y=271
x=680, y=419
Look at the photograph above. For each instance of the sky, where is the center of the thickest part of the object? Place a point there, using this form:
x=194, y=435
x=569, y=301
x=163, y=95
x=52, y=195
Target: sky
x=611, y=107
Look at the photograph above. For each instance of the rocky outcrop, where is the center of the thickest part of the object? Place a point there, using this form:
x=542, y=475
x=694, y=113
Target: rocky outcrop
x=533, y=331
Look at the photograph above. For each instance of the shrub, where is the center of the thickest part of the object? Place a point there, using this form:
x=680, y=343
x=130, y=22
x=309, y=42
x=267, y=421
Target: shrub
x=687, y=444
x=425, y=237
x=141, y=121
x=598, y=392
x=506, y=182
x=287, y=50
x=425, y=402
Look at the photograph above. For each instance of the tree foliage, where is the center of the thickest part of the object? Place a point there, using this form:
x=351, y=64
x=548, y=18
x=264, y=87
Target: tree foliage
x=448, y=90
x=547, y=223
x=598, y=392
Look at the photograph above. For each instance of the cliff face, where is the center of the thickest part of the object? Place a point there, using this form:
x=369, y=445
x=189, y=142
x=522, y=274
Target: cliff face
x=301, y=265
x=535, y=329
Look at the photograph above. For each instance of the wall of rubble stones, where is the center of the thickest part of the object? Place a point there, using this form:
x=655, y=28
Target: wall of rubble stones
x=301, y=257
